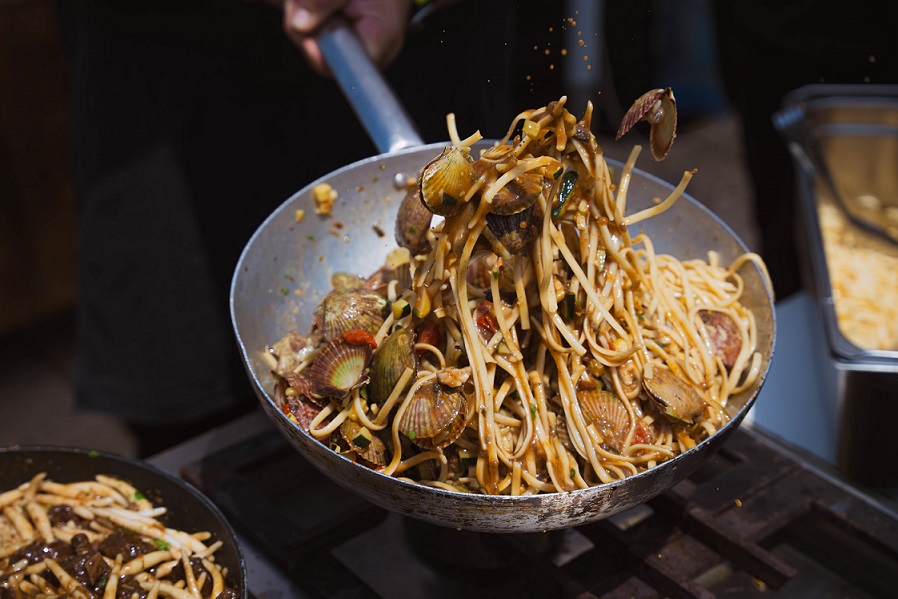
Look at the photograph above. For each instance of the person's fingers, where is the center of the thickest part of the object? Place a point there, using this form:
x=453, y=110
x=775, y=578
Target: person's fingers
x=305, y=16
x=380, y=25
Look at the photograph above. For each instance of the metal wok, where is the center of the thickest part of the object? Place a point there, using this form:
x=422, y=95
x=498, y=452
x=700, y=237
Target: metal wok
x=285, y=271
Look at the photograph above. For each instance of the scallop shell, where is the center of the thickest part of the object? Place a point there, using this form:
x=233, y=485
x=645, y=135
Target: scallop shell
x=375, y=452
x=658, y=107
x=518, y=194
x=435, y=417
x=338, y=369
x=724, y=335
x=608, y=414
x=395, y=354
x=515, y=232
x=341, y=311
x=446, y=181
x=676, y=399
x=412, y=222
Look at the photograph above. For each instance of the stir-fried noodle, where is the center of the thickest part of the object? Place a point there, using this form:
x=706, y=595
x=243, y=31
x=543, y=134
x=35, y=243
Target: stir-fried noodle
x=100, y=538
x=528, y=343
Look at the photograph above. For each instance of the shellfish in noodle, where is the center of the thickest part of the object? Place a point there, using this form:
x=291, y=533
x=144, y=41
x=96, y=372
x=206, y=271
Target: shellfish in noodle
x=446, y=181
x=341, y=311
x=395, y=354
x=676, y=399
x=435, y=416
x=339, y=368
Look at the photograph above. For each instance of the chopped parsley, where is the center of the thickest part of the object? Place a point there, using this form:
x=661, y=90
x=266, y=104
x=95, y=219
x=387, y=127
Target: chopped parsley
x=310, y=237
x=162, y=545
x=533, y=410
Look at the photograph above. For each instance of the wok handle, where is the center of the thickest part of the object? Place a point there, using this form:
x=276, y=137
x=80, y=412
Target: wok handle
x=369, y=94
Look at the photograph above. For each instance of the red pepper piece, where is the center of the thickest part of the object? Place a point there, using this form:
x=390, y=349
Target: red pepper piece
x=429, y=333
x=486, y=319
x=359, y=337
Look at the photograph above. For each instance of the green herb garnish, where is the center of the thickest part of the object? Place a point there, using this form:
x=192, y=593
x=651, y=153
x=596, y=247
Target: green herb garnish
x=567, y=186
x=533, y=409
x=162, y=545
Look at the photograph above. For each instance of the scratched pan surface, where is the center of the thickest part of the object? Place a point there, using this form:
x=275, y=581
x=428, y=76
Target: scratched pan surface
x=285, y=270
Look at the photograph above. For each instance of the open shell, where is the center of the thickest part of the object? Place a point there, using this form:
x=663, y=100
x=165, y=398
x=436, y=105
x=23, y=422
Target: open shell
x=339, y=368
x=435, y=416
x=658, y=107
x=341, y=311
x=375, y=452
x=673, y=396
x=446, y=181
x=395, y=354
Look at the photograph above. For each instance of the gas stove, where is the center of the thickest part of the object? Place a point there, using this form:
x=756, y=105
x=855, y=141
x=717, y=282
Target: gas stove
x=753, y=521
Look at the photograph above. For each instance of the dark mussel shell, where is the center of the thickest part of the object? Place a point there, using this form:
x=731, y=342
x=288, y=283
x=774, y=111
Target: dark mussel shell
x=435, y=417
x=412, y=222
x=395, y=354
x=341, y=311
x=339, y=368
x=724, y=334
x=375, y=452
x=675, y=398
x=515, y=232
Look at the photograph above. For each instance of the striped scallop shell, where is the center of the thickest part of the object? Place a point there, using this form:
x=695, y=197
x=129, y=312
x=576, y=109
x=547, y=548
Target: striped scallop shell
x=338, y=369
x=341, y=311
x=375, y=452
x=435, y=417
x=395, y=354
x=658, y=107
x=608, y=414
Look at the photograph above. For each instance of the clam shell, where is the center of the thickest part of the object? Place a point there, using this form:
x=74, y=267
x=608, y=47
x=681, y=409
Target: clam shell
x=518, y=194
x=608, y=413
x=291, y=349
x=446, y=180
x=412, y=222
x=375, y=453
x=341, y=311
x=676, y=399
x=659, y=108
x=344, y=281
x=515, y=232
x=395, y=354
x=338, y=369
x=435, y=416
x=724, y=335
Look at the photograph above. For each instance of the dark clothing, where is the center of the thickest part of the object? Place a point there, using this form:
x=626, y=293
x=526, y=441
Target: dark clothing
x=193, y=122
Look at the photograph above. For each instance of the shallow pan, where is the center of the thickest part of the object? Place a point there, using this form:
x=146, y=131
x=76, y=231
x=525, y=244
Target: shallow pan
x=285, y=270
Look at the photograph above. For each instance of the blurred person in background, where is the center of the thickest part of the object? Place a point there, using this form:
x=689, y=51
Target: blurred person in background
x=193, y=122
x=768, y=48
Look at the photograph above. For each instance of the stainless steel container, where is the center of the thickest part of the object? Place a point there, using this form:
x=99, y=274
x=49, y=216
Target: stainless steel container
x=844, y=140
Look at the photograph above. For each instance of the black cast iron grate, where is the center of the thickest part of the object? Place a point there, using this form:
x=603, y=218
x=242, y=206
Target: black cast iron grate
x=752, y=522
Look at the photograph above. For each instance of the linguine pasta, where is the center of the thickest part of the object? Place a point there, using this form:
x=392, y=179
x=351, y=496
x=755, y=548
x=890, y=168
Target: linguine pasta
x=552, y=350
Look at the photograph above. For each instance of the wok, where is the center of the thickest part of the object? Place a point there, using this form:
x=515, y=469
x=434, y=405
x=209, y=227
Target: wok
x=188, y=509
x=285, y=269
